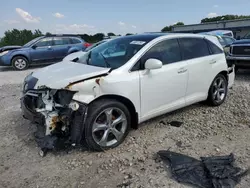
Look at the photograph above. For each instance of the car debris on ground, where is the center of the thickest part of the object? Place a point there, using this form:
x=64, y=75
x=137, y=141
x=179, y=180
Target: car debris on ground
x=209, y=172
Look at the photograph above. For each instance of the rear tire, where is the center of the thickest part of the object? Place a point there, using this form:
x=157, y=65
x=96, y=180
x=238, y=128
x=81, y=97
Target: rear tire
x=107, y=124
x=19, y=63
x=218, y=91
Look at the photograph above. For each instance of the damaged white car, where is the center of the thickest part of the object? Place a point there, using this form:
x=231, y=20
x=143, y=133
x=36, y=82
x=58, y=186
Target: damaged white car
x=97, y=98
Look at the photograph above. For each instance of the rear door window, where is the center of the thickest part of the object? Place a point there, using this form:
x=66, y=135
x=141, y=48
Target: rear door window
x=61, y=41
x=193, y=48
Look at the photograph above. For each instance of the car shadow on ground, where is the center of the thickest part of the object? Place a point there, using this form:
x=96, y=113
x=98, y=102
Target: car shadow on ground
x=163, y=119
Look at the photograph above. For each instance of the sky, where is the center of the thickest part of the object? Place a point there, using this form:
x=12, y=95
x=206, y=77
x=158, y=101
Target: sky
x=117, y=16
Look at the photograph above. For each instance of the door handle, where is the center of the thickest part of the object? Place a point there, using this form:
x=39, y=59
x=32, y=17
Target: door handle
x=49, y=48
x=182, y=70
x=213, y=62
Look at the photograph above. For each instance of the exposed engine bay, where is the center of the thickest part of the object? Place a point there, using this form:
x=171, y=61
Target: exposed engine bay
x=59, y=119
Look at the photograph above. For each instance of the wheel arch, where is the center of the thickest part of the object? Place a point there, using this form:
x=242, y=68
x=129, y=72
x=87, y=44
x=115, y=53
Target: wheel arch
x=128, y=103
x=22, y=55
x=224, y=73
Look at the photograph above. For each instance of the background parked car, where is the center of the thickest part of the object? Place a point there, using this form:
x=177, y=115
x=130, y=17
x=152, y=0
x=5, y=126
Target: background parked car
x=41, y=50
x=239, y=54
x=74, y=55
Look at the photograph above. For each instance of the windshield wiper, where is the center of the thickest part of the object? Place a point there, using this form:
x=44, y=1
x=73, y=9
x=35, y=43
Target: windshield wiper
x=105, y=60
x=89, y=56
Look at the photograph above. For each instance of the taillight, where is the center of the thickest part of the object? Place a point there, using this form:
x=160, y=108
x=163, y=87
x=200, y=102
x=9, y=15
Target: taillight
x=86, y=44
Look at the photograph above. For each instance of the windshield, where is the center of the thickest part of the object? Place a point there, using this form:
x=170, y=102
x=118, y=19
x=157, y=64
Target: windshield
x=94, y=45
x=116, y=52
x=32, y=41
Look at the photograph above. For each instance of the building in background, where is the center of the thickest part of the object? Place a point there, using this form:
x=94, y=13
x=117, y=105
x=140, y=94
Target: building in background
x=240, y=28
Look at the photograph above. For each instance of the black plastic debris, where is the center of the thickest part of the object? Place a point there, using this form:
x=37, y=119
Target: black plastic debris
x=209, y=172
x=175, y=123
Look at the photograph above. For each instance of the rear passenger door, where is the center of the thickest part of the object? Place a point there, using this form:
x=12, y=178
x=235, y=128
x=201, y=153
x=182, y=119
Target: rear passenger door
x=61, y=45
x=164, y=89
x=197, y=55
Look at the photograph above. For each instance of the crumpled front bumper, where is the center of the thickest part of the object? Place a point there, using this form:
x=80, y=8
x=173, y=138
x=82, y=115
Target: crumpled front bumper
x=28, y=112
x=231, y=76
x=73, y=135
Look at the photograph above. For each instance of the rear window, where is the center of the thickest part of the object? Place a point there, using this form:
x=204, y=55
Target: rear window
x=193, y=48
x=228, y=40
x=75, y=41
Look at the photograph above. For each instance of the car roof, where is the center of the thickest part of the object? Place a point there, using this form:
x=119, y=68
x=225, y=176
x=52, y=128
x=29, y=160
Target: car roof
x=62, y=35
x=153, y=35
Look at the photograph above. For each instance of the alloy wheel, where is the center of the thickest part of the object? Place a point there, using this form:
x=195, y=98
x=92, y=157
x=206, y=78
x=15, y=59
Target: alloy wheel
x=219, y=89
x=20, y=64
x=109, y=127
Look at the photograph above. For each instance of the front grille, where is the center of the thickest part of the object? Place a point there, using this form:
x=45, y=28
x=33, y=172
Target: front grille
x=241, y=50
x=34, y=99
x=30, y=102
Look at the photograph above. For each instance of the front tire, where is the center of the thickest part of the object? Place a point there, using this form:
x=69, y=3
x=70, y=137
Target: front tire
x=218, y=91
x=107, y=124
x=19, y=63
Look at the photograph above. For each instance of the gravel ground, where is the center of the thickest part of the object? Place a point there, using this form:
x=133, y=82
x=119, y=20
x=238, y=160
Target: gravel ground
x=206, y=131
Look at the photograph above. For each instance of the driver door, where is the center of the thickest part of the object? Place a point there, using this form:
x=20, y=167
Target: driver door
x=163, y=89
x=42, y=51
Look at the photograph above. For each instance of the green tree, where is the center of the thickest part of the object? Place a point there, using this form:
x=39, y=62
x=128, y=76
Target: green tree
x=111, y=34
x=166, y=28
x=129, y=34
x=170, y=27
x=98, y=36
x=48, y=34
x=18, y=37
x=224, y=17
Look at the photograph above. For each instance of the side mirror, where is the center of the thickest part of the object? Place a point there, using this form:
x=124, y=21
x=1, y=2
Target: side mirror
x=34, y=47
x=153, y=64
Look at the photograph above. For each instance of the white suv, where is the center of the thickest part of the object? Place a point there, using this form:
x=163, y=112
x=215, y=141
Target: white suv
x=97, y=98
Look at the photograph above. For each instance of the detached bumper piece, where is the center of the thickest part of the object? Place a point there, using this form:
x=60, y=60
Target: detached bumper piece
x=209, y=172
x=59, y=119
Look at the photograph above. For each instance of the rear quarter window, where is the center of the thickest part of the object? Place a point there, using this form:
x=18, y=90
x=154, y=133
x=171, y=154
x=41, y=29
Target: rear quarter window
x=75, y=41
x=193, y=48
x=214, y=48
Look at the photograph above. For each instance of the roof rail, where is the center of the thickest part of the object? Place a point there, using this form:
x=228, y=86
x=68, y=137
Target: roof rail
x=63, y=35
x=109, y=37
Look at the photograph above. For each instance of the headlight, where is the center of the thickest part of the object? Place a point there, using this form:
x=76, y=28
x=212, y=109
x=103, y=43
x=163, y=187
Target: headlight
x=3, y=53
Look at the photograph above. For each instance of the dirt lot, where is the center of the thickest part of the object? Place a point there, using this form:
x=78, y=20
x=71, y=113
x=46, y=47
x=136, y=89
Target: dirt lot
x=206, y=131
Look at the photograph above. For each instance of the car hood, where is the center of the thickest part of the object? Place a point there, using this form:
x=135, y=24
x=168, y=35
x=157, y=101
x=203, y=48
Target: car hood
x=60, y=75
x=5, y=48
x=243, y=41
